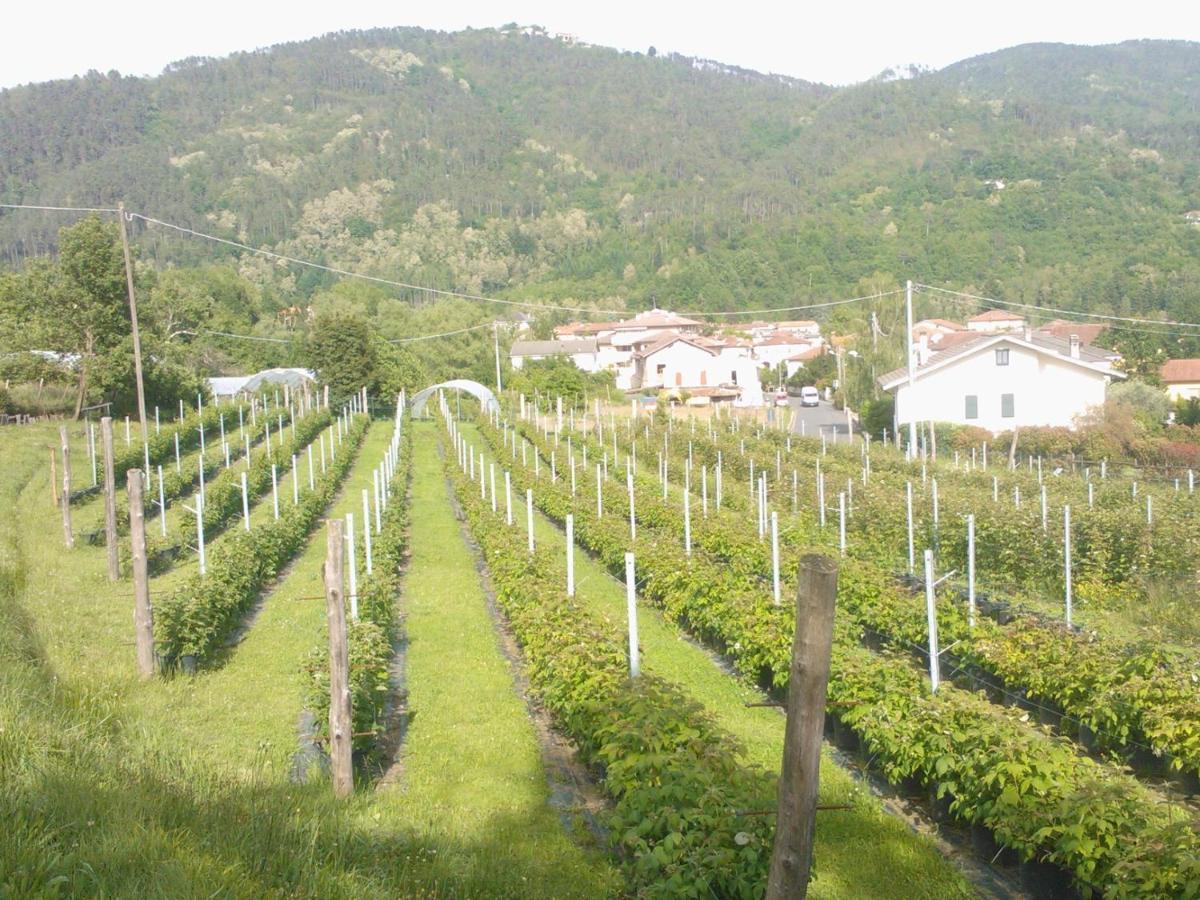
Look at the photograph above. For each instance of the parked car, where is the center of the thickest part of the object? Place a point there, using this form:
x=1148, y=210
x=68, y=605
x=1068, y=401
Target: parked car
x=809, y=396
x=781, y=398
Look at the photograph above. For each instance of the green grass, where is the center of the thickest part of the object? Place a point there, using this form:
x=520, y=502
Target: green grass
x=177, y=788
x=862, y=852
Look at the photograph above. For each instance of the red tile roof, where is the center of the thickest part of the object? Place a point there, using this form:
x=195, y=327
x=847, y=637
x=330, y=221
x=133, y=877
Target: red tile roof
x=1181, y=371
x=1087, y=332
x=997, y=315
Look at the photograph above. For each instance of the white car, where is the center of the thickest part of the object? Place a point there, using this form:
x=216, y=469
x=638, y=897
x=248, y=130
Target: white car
x=809, y=396
x=781, y=398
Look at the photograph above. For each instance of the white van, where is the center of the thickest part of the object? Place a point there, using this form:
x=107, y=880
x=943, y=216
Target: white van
x=809, y=396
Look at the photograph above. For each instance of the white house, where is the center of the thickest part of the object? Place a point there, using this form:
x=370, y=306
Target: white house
x=697, y=365
x=1182, y=378
x=778, y=347
x=1002, y=381
x=581, y=352
x=794, y=364
x=995, y=320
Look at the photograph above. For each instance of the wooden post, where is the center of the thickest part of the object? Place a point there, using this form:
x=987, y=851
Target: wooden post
x=791, y=856
x=143, y=616
x=110, y=498
x=65, y=500
x=54, y=477
x=340, y=726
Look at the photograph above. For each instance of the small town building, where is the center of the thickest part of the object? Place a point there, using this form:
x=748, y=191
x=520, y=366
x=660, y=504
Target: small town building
x=583, y=352
x=1182, y=378
x=1004, y=381
x=996, y=320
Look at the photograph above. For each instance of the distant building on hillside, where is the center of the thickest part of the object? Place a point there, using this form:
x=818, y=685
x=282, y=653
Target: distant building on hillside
x=1005, y=380
x=581, y=352
x=1182, y=378
x=995, y=320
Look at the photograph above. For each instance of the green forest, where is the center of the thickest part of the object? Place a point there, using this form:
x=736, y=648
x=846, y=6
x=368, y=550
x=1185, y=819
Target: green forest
x=513, y=165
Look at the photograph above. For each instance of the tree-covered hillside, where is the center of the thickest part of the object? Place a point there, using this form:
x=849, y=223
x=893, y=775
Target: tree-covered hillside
x=515, y=163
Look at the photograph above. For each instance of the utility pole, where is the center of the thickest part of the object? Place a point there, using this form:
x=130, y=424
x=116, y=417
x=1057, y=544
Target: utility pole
x=908, y=315
x=133, y=321
x=496, y=339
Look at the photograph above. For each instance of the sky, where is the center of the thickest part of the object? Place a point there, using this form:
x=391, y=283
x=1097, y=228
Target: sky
x=831, y=42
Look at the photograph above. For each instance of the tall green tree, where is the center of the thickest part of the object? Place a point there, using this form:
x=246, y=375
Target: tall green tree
x=341, y=350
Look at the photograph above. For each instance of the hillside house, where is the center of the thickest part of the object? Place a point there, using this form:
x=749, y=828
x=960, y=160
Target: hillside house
x=996, y=320
x=584, y=353
x=695, y=364
x=1182, y=378
x=794, y=364
x=1002, y=381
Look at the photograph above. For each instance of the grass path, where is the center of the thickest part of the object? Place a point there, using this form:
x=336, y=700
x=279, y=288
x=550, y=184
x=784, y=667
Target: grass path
x=473, y=775
x=861, y=852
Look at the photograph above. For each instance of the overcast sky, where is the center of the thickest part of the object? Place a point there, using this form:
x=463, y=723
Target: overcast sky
x=833, y=42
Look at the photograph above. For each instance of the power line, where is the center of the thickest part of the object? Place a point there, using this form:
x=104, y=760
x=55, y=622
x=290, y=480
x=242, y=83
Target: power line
x=97, y=209
x=429, y=337
x=1064, y=312
x=745, y=312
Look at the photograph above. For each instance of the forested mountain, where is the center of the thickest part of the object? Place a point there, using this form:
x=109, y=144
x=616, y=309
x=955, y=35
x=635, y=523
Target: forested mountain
x=516, y=164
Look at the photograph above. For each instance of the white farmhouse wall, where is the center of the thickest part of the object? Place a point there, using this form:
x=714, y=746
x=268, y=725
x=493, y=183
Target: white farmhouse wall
x=1183, y=391
x=683, y=365
x=1046, y=390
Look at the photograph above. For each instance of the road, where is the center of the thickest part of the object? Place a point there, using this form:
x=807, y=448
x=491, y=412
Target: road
x=812, y=420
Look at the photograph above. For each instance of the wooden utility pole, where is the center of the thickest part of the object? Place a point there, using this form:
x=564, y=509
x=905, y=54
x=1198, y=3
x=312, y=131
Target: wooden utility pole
x=133, y=321
x=65, y=500
x=110, y=499
x=339, y=664
x=143, y=616
x=791, y=857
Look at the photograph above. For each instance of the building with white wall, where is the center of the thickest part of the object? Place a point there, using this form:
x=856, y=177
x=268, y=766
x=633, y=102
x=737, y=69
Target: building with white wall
x=1182, y=378
x=1003, y=381
x=584, y=353
x=995, y=320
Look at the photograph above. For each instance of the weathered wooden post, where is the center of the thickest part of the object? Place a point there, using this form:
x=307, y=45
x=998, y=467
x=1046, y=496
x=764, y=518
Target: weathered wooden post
x=812, y=644
x=68, y=534
x=143, y=616
x=110, y=499
x=340, y=727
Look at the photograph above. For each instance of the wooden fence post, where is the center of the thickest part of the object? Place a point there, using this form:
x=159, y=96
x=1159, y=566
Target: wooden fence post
x=110, y=499
x=339, y=664
x=791, y=856
x=143, y=616
x=68, y=535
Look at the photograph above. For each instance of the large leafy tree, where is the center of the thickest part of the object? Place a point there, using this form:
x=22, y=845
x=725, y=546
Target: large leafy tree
x=341, y=350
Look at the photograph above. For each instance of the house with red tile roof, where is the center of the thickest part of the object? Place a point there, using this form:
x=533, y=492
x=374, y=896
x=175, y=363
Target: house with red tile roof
x=1182, y=378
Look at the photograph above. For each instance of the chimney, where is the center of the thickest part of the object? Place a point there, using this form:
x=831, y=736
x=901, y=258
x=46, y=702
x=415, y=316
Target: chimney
x=1074, y=346
x=922, y=349
x=1027, y=332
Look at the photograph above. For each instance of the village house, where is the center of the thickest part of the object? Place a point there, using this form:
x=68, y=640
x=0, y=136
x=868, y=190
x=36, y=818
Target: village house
x=1182, y=378
x=1003, y=381
x=996, y=320
x=697, y=365
x=794, y=364
x=581, y=352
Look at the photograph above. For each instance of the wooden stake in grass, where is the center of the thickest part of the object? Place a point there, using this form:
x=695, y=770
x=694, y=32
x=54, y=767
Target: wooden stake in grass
x=143, y=616
x=339, y=664
x=68, y=535
x=791, y=857
x=110, y=498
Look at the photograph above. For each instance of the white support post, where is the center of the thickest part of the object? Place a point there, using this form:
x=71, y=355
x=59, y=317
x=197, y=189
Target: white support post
x=492, y=476
x=162, y=504
x=275, y=490
x=1045, y=508
x=200, y=534
x=178, y=470
x=570, y=555
x=971, y=571
x=931, y=617
x=632, y=516
x=842, y=522
x=775, y=555
x=245, y=503
x=909, y=508
x=631, y=606
x=529, y=516
x=599, y=493
x=1067, y=561
x=687, y=522
x=508, y=514
x=295, y=481
x=351, y=566
x=935, y=504
x=366, y=503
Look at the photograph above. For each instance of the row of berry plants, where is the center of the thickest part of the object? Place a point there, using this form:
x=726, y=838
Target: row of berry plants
x=372, y=635
x=676, y=779
x=223, y=494
x=197, y=618
x=1123, y=694
x=1037, y=796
